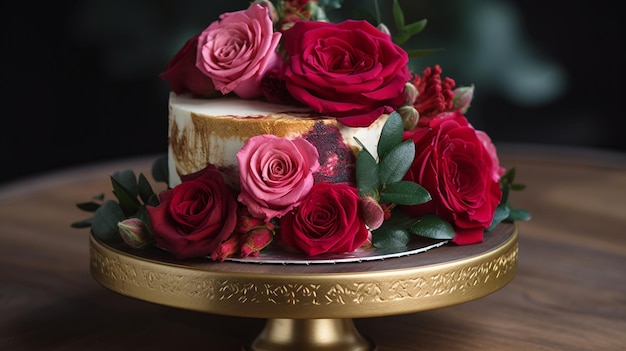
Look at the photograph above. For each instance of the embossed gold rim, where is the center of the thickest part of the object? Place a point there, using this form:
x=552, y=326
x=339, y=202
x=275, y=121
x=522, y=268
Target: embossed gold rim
x=306, y=296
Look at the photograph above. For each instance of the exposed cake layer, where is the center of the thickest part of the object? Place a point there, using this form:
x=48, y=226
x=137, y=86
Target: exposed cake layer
x=212, y=131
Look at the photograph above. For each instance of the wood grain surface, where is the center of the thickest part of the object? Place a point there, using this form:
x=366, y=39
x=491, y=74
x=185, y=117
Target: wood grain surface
x=569, y=292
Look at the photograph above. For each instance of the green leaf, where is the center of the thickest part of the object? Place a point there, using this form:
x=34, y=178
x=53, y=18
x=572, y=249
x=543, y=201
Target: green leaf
x=88, y=206
x=330, y=4
x=431, y=226
x=144, y=188
x=160, y=170
x=85, y=223
x=404, y=193
x=401, y=219
x=128, y=201
x=517, y=214
x=389, y=237
x=367, y=178
x=517, y=186
x=415, y=27
x=396, y=162
x=391, y=134
x=127, y=180
x=502, y=213
x=104, y=222
x=413, y=53
x=398, y=15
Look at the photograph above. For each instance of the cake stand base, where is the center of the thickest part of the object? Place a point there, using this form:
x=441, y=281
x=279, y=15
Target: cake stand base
x=310, y=335
x=311, y=307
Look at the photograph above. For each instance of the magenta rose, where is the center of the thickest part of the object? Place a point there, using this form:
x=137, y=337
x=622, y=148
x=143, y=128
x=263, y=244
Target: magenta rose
x=275, y=174
x=184, y=76
x=328, y=220
x=237, y=50
x=196, y=216
x=349, y=70
x=454, y=166
x=497, y=171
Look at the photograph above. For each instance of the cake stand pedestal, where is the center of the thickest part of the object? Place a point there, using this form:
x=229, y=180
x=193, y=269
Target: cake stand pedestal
x=311, y=307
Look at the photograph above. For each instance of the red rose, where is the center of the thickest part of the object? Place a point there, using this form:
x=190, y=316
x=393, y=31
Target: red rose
x=435, y=94
x=183, y=74
x=196, y=216
x=454, y=166
x=328, y=220
x=349, y=70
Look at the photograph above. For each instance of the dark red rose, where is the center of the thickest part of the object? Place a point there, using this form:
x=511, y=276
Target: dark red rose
x=184, y=76
x=196, y=216
x=328, y=220
x=349, y=70
x=454, y=166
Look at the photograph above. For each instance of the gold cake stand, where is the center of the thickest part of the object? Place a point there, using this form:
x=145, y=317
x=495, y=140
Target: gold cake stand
x=311, y=307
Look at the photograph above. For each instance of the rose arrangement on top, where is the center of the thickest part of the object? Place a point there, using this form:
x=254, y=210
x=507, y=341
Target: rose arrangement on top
x=434, y=175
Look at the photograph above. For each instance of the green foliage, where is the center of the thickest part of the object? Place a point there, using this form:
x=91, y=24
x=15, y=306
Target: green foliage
x=133, y=193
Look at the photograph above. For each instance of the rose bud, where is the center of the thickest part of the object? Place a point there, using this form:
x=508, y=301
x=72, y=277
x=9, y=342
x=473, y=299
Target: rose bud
x=373, y=214
x=383, y=28
x=411, y=93
x=409, y=115
x=255, y=241
x=134, y=232
x=462, y=98
x=226, y=249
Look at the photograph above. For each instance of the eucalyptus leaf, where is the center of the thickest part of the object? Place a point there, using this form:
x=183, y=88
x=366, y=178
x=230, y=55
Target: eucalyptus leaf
x=434, y=227
x=404, y=193
x=85, y=223
x=128, y=180
x=144, y=188
x=128, y=201
x=367, y=178
x=160, y=170
x=104, y=223
x=88, y=206
x=389, y=237
x=396, y=162
x=391, y=134
x=502, y=213
x=517, y=214
x=401, y=219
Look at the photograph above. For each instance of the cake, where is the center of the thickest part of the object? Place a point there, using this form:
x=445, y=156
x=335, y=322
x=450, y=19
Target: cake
x=290, y=132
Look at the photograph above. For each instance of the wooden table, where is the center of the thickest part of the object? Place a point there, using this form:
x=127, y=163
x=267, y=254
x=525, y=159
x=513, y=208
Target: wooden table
x=569, y=292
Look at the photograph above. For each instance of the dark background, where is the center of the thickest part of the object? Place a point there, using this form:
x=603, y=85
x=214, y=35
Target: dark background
x=82, y=86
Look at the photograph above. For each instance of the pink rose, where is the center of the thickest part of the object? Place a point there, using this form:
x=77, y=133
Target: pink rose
x=329, y=220
x=275, y=174
x=196, y=216
x=349, y=70
x=454, y=166
x=237, y=50
x=184, y=76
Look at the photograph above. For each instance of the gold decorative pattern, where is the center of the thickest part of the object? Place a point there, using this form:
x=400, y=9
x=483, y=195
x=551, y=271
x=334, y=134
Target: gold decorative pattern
x=332, y=295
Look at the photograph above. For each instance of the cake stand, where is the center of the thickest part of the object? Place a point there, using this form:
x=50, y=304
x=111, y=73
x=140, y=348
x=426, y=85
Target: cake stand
x=311, y=307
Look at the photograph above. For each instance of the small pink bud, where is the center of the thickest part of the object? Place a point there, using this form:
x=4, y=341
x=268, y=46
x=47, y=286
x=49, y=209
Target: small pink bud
x=373, y=214
x=410, y=116
x=134, y=232
x=256, y=240
x=383, y=28
x=226, y=249
x=463, y=98
x=410, y=93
